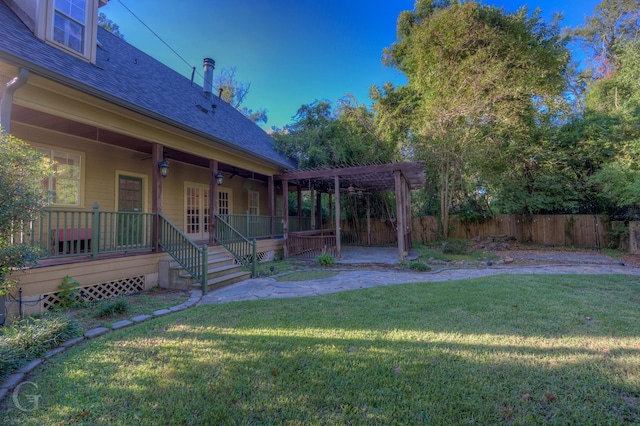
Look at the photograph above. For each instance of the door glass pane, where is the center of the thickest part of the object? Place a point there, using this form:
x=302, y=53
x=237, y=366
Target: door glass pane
x=193, y=210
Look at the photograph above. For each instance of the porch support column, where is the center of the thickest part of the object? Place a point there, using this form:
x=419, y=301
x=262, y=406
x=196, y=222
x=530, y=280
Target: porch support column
x=368, y=199
x=400, y=212
x=285, y=217
x=337, y=191
x=157, y=154
x=319, y=210
x=272, y=206
x=213, y=201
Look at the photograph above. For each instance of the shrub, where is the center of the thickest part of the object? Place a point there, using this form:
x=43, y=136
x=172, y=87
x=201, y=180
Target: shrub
x=455, y=247
x=68, y=293
x=325, y=259
x=416, y=265
x=28, y=339
x=113, y=307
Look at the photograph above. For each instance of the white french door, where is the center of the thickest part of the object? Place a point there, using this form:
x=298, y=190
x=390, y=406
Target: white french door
x=196, y=211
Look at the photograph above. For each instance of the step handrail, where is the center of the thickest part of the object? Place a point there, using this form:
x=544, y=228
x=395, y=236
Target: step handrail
x=191, y=257
x=244, y=250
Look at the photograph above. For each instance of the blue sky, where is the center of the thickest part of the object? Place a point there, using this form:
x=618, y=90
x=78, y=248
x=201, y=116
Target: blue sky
x=291, y=51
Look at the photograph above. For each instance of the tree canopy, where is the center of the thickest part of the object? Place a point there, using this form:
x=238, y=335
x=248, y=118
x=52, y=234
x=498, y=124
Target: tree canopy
x=477, y=80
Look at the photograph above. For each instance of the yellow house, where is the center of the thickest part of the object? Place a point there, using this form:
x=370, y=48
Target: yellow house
x=114, y=120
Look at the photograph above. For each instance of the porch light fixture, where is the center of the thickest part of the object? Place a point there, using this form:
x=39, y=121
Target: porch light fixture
x=219, y=178
x=164, y=167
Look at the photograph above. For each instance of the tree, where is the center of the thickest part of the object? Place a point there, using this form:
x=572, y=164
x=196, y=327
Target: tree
x=23, y=197
x=617, y=98
x=234, y=92
x=477, y=78
x=323, y=136
x=613, y=23
x=109, y=25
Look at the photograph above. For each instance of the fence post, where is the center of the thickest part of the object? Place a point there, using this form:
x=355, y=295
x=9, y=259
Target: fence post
x=95, y=225
x=205, y=268
x=254, y=258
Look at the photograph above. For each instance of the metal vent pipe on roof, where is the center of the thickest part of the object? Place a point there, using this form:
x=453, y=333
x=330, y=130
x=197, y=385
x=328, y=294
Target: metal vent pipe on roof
x=209, y=66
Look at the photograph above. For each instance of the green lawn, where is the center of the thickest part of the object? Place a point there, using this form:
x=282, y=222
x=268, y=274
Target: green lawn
x=502, y=350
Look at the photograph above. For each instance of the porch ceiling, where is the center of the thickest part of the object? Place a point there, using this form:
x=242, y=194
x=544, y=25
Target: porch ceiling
x=368, y=178
x=32, y=117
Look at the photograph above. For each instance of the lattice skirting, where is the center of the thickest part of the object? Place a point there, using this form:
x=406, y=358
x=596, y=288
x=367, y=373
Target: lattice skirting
x=101, y=291
x=263, y=256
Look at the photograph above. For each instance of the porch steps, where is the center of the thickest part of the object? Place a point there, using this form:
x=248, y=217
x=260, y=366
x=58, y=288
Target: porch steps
x=221, y=271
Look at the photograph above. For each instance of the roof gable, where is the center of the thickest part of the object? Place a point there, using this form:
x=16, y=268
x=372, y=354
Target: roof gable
x=126, y=76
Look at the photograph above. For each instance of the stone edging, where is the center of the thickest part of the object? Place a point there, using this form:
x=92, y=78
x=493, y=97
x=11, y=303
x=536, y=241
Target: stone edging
x=16, y=378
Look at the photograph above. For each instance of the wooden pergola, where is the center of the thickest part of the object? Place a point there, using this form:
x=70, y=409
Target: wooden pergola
x=398, y=177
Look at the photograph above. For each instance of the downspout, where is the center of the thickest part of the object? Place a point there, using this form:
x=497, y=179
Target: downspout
x=6, y=99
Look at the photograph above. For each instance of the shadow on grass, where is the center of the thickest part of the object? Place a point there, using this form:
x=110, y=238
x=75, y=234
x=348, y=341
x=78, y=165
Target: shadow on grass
x=488, y=351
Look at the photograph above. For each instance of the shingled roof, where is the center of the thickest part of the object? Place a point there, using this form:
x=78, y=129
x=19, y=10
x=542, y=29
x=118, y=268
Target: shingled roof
x=126, y=76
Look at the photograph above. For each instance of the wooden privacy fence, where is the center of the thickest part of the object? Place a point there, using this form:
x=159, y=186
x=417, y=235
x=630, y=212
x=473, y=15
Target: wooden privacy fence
x=557, y=230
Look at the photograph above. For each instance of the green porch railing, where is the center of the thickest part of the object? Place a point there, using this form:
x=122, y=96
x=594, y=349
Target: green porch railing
x=70, y=233
x=237, y=244
x=252, y=226
x=192, y=258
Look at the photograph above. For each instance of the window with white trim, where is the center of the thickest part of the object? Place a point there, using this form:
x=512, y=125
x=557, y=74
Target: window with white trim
x=70, y=24
x=64, y=183
x=254, y=203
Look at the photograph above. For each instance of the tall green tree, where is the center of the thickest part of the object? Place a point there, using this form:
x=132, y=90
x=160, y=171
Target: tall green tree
x=617, y=98
x=22, y=171
x=614, y=23
x=325, y=135
x=477, y=77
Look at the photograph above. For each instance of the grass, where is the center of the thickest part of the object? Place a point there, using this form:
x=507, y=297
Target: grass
x=511, y=349
x=435, y=251
x=106, y=312
x=275, y=267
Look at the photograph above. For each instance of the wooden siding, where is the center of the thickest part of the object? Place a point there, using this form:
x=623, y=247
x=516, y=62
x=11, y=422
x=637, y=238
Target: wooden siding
x=43, y=279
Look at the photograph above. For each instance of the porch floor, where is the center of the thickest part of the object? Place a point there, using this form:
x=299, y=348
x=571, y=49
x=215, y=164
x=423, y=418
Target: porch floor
x=372, y=255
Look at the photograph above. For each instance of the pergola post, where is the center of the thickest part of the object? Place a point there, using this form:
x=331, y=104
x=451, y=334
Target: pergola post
x=312, y=210
x=319, y=209
x=299, y=194
x=285, y=216
x=337, y=191
x=400, y=213
x=368, y=219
